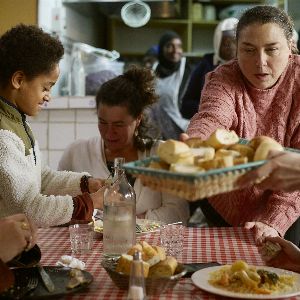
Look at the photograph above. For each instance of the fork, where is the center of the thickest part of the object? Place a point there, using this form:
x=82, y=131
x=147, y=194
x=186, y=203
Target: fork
x=31, y=285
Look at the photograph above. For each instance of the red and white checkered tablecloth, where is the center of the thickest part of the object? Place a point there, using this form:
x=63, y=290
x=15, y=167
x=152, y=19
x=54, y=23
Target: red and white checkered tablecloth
x=223, y=245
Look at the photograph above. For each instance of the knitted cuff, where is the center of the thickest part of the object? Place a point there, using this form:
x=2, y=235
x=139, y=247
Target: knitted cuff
x=84, y=184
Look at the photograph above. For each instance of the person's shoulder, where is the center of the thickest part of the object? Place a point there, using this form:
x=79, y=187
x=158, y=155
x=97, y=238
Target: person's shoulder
x=296, y=61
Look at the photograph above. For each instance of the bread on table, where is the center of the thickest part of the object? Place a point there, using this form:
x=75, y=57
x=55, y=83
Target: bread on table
x=149, y=254
x=183, y=168
x=244, y=150
x=264, y=148
x=195, y=143
x=216, y=163
x=172, y=151
x=124, y=265
x=256, y=141
x=164, y=268
x=203, y=152
x=222, y=138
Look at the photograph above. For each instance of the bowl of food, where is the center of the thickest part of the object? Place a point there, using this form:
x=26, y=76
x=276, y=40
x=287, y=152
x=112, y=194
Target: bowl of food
x=161, y=272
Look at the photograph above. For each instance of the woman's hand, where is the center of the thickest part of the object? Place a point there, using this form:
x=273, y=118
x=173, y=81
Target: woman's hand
x=95, y=184
x=289, y=256
x=183, y=137
x=17, y=234
x=281, y=173
x=261, y=231
x=98, y=197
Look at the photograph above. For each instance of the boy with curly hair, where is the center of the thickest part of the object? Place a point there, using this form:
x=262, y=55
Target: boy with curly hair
x=29, y=68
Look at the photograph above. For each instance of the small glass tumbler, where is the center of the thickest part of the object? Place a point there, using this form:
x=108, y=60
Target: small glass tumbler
x=81, y=238
x=172, y=238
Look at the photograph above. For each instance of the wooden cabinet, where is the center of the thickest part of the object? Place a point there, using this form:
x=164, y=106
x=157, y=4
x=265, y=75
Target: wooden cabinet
x=13, y=12
x=196, y=33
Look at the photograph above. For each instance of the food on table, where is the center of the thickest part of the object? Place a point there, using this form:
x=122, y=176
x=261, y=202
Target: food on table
x=124, y=265
x=242, y=278
x=172, y=151
x=222, y=138
x=155, y=261
x=269, y=250
x=77, y=278
x=264, y=148
x=244, y=150
x=165, y=268
x=220, y=150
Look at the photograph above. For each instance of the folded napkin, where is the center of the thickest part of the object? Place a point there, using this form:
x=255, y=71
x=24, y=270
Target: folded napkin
x=71, y=262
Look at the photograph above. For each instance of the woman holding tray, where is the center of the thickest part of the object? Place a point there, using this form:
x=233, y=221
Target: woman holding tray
x=256, y=94
x=123, y=129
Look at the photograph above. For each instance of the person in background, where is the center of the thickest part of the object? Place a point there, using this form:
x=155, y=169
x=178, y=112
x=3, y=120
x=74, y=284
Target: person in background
x=173, y=73
x=123, y=129
x=29, y=68
x=224, y=50
x=256, y=94
x=17, y=234
x=150, y=57
x=289, y=256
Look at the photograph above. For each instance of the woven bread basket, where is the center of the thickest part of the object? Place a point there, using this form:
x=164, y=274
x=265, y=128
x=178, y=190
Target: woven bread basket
x=189, y=186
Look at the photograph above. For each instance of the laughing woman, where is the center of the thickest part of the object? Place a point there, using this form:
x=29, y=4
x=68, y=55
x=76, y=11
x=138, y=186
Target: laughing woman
x=123, y=128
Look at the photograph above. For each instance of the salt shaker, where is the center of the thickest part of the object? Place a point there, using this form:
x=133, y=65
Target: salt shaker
x=136, y=282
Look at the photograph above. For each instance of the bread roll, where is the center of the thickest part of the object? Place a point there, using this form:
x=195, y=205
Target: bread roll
x=216, y=163
x=182, y=168
x=256, y=141
x=124, y=265
x=172, y=151
x=225, y=152
x=134, y=248
x=165, y=268
x=240, y=160
x=244, y=150
x=222, y=138
x=203, y=152
x=264, y=148
x=161, y=252
x=149, y=254
x=195, y=143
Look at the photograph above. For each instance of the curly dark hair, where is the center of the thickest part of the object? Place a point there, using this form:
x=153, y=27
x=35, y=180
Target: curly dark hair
x=29, y=49
x=134, y=90
x=266, y=14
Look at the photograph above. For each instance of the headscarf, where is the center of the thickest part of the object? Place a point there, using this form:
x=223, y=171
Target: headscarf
x=165, y=67
x=225, y=26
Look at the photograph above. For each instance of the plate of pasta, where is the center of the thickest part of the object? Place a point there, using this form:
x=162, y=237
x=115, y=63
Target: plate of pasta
x=242, y=281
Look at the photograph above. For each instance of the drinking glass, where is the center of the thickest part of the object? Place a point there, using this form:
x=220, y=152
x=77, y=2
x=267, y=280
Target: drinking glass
x=81, y=238
x=172, y=238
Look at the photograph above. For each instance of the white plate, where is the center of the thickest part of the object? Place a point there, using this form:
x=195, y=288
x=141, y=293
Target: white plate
x=200, y=279
x=148, y=226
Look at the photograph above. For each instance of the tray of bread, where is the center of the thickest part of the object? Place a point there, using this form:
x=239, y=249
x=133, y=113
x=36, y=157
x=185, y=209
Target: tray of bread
x=197, y=169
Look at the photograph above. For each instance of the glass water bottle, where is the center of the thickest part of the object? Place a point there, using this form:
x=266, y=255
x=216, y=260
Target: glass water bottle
x=119, y=213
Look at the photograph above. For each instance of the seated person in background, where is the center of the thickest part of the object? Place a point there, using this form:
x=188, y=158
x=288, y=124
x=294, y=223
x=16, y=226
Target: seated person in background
x=17, y=234
x=173, y=73
x=255, y=94
x=150, y=57
x=29, y=68
x=224, y=50
x=289, y=256
x=123, y=132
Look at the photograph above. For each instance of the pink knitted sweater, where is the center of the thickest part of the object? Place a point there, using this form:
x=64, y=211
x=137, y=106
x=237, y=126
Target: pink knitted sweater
x=228, y=101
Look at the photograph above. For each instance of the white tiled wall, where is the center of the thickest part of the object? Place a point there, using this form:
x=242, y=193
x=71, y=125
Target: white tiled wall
x=57, y=128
